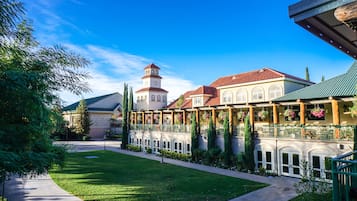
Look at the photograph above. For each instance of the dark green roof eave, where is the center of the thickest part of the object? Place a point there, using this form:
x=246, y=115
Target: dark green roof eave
x=89, y=101
x=340, y=86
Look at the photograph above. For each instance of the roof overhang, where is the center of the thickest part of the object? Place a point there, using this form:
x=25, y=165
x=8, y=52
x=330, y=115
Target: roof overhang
x=317, y=17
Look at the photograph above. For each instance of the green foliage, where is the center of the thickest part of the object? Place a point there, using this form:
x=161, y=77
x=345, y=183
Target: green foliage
x=30, y=77
x=131, y=100
x=314, y=197
x=83, y=122
x=322, y=78
x=175, y=155
x=194, y=134
x=307, y=74
x=248, y=158
x=133, y=148
x=211, y=132
x=180, y=101
x=227, y=143
x=309, y=185
x=212, y=156
x=198, y=155
x=144, y=180
x=149, y=150
x=125, y=117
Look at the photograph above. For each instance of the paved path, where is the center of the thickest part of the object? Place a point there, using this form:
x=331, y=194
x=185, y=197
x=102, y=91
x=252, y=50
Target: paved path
x=43, y=188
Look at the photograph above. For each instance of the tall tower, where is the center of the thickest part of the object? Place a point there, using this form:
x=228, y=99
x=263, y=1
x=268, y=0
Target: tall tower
x=151, y=96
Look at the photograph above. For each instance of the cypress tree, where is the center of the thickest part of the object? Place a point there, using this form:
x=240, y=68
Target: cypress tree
x=248, y=145
x=131, y=100
x=307, y=74
x=194, y=136
x=322, y=78
x=211, y=132
x=125, y=117
x=83, y=123
x=227, y=142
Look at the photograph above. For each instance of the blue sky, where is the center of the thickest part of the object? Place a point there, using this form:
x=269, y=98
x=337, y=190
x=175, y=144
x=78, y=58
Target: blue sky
x=193, y=41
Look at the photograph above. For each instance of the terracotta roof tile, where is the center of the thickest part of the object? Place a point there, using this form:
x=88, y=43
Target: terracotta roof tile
x=152, y=66
x=151, y=89
x=252, y=76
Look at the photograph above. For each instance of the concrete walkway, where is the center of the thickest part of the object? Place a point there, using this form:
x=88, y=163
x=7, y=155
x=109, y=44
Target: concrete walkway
x=43, y=188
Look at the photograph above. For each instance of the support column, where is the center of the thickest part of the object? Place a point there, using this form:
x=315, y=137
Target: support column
x=143, y=118
x=172, y=117
x=251, y=117
x=135, y=118
x=335, y=117
x=230, y=118
x=214, y=117
x=161, y=122
x=251, y=114
x=302, y=119
x=184, y=117
x=275, y=114
x=302, y=113
x=152, y=118
x=275, y=119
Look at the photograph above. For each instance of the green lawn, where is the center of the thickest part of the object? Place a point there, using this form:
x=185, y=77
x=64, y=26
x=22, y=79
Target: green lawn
x=115, y=176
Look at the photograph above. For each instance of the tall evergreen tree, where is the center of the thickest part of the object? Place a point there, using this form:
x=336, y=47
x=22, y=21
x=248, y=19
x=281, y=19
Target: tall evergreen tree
x=322, y=78
x=125, y=117
x=83, y=123
x=194, y=135
x=248, y=145
x=211, y=132
x=227, y=142
x=131, y=100
x=307, y=74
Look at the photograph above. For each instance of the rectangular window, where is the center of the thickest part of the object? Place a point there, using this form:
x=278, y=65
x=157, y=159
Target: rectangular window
x=260, y=159
x=152, y=97
x=164, y=144
x=268, y=161
x=328, y=164
x=188, y=147
x=168, y=145
x=316, y=162
x=180, y=146
x=285, y=158
x=158, y=98
x=175, y=145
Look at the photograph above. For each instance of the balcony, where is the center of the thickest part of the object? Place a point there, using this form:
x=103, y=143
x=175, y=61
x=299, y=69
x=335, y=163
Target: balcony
x=308, y=132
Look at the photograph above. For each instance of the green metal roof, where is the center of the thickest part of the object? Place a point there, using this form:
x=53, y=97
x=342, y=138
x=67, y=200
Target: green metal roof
x=90, y=101
x=340, y=86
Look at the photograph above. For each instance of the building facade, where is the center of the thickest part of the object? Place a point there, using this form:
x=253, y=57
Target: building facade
x=104, y=113
x=151, y=96
x=293, y=119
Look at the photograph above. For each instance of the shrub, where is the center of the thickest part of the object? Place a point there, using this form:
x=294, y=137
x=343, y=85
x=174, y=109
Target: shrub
x=175, y=155
x=134, y=148
x=198, y=155
x=149, y=150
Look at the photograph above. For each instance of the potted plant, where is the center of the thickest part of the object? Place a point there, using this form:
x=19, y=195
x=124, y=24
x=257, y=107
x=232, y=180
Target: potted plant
x=290, y=114
x=241, y=115
x=318, y=112
x=263, y=114
x=206, y=115
x=221, y=116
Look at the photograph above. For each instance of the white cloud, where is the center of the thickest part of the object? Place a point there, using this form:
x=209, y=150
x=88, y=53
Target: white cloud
x=111, y=68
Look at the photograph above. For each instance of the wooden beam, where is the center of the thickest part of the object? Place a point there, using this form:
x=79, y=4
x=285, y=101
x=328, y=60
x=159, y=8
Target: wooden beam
x=302, y=113
x=214, y=117
x=251, y=114
x=275, y=114
x=335, y=112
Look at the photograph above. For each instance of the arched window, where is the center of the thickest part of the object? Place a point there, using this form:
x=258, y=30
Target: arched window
x=241, y=96
x=227, y=97
x=158, y=98
x=258, y=94
x=275, y=92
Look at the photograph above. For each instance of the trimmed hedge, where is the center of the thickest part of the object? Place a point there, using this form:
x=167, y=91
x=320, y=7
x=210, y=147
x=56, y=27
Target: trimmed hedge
x=133, y=148
x=174, y=155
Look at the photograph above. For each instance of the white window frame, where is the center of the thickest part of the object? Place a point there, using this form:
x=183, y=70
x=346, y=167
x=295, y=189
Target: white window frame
x=227, y=97
x=241, y=96
x=257, y=94
x=275, y=91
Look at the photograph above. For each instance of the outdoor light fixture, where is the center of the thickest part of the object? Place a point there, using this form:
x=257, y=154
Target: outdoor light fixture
x=348, y=15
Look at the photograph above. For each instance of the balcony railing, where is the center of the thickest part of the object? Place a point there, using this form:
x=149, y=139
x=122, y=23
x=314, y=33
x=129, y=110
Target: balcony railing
x=310, y=132
x=344, y=177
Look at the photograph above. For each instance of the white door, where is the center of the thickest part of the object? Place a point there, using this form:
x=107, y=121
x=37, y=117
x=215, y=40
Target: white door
x=290, y=164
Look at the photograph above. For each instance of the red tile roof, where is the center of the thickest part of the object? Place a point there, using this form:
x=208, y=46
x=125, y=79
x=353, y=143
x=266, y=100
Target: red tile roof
x=151, y=89
x=151, y=66
x=253, y=76
x=247, y=77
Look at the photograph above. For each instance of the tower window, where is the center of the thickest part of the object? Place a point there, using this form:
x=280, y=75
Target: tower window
x=158, y=98
x=152, y=97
